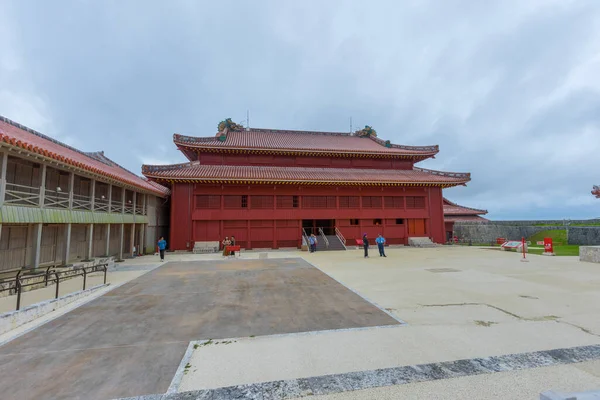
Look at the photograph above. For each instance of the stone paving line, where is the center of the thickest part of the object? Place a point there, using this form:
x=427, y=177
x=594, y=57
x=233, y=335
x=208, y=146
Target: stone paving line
x=353, y=381
x=234, y=361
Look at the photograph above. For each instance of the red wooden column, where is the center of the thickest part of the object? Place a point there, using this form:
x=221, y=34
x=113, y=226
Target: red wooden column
x=405, y=217
x=274, y=221
x=249, y=233
x=430, y=213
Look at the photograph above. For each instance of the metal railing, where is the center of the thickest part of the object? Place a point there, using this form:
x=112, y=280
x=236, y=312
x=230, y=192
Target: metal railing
x=322, y=234
x=340, y=236
x=22, y=195
x=23, y=278
x=56, y=199
x=305, y=240
x=81, y=202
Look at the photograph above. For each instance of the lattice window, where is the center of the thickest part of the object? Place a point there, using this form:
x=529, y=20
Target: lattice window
x=371, y=202
x=287, y=202
x=236, y=201
x=349, y=202
x=393, y=201
x=262, y=202
x=354, y=222
x=207, y=201
x=318, y=201
x=415, y=202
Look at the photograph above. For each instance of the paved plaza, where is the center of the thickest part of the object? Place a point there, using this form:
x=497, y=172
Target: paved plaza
x=446, y=322
x=130, y=341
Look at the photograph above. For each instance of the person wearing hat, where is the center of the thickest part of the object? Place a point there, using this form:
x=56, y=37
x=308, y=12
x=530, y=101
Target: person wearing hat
x=366, y=245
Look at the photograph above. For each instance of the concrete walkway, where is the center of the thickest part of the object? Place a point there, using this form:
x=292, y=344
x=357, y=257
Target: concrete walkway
x=130, y=341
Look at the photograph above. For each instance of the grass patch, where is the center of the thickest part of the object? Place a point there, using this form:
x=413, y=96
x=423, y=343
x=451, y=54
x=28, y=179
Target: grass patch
x=572, y=224
x=559, y=240
x=564, y=250
x=557, y=236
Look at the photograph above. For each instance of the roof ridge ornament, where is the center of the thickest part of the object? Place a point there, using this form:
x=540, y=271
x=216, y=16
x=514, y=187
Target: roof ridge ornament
x=367, y=131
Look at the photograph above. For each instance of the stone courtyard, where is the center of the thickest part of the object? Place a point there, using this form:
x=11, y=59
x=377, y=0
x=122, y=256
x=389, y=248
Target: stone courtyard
x=438, y=323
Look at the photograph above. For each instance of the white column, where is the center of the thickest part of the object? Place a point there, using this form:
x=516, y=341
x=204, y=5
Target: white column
x=93, y=194
x=67, y=239
x=134, y=203
x=42, y=185
x=107, y=252
x=132, y=242
x=3, y=168
x=36, y=245
x=122, y=236
x=71, y=189
x=141, y=239
x=90, y=249
x=109, y=197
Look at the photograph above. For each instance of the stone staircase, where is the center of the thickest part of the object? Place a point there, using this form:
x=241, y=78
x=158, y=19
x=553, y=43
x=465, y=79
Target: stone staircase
x=421, y=242
x=334, y=243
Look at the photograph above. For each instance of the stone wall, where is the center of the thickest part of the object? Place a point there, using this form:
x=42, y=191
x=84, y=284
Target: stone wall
x=589, y=254
x=583, y=235
x=488, y=231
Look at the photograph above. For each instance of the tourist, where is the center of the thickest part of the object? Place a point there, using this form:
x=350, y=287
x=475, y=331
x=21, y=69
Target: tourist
x=366, y=245
x=226, y=242
x=313, y=242
x=162, y=245
x=380, y=243
x=233, y=244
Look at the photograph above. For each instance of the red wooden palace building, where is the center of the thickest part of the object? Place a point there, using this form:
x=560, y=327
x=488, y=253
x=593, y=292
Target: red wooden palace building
x=265, y=186
x=454, y=212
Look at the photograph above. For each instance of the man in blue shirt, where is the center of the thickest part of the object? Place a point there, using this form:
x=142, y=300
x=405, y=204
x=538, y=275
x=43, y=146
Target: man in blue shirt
x=313, y=243
x=380, y=243
x=162, y=245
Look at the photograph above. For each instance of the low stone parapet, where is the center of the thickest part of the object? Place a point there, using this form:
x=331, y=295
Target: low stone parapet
x=589, y=254
x=14, y=319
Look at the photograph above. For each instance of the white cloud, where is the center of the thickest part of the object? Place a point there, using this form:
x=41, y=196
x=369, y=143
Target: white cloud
x=508, y=89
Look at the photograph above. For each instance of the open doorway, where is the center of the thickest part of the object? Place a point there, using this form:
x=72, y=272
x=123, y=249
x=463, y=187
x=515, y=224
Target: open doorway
x=312, y=226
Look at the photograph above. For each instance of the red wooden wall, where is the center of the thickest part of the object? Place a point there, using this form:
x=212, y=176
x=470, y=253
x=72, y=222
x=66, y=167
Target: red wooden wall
x=270, y=220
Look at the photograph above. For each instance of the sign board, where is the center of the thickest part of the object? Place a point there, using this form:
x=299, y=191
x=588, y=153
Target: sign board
x=540, y=242
x=548, y=248
x=515, y=245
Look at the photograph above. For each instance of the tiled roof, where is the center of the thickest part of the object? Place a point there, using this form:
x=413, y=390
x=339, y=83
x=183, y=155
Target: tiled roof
x=451, y=208
x=303, y=141
x=456, y=218
x=596, y=191
x=17, y=135
x=194, y=171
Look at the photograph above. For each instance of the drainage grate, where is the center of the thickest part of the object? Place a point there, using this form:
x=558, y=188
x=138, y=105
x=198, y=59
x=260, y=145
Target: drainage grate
x=442, y=270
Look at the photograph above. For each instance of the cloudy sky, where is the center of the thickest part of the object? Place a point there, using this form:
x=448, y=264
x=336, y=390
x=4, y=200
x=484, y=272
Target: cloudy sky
x=510, y=90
